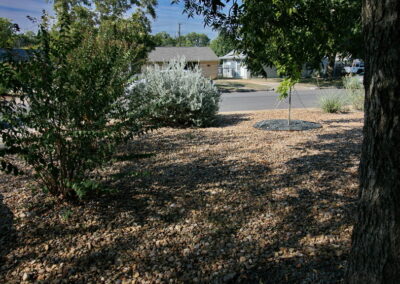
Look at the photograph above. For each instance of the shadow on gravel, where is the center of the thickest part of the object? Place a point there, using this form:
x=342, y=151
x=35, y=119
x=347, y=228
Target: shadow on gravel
x=358, y=120
x=216, y=217
x=305, y=246
x=225, y=120
x=242, y=90
x=7, y=234
x=314, y=216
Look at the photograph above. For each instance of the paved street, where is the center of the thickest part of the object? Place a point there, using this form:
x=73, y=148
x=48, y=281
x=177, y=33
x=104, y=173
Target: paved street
x=248, y=101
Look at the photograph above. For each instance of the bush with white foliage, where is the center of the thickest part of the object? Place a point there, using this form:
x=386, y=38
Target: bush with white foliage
x=172, y=95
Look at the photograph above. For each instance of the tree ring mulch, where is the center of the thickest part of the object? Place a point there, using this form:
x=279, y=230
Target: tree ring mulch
x=282, y=125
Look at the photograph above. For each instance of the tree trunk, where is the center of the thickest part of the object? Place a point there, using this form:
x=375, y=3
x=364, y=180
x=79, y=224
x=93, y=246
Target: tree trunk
x=375, y=254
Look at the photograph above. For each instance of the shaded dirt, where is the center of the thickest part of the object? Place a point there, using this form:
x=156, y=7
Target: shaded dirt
x=228, y=204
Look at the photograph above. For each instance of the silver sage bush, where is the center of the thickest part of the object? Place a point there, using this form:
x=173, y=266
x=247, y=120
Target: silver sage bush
x=173, y=95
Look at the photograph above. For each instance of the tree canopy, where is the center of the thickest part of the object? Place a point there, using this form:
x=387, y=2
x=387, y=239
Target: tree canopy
x=8, y=32
x=195, y=39
x=189, y=40
x=286, y=34
x=222, y=45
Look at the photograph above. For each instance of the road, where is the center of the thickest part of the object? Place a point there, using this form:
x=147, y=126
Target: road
x=263, y=100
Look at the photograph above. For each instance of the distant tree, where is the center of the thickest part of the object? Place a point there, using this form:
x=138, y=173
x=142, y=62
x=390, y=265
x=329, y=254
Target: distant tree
x=26, y=40
x=222, y=45
x=163, y=39
x=195, y=39
x=8, y=32
x=190, y=39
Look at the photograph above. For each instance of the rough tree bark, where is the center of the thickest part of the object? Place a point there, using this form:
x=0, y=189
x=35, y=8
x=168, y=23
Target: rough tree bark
x=375, y=255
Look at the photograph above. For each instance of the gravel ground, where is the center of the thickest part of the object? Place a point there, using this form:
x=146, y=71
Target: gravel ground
x=229, y=204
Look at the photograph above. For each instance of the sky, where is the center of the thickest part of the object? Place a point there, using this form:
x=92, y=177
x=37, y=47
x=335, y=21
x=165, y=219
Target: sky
x=168, y=16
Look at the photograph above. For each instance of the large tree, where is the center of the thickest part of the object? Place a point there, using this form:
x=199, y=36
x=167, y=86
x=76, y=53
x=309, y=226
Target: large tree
x=221, y=45
x=375, y=255
x=164, y=39
x=189, y=40
x=290, y=35
x=287, y=34
x=195, y=39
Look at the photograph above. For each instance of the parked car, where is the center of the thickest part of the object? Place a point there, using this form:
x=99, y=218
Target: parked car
x=356, y=68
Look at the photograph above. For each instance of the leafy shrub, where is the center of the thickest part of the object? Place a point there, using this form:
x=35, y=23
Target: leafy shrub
x=332, y=103
x=355, y=91
x=174, y=96
x=73, y=112
x=3, y=90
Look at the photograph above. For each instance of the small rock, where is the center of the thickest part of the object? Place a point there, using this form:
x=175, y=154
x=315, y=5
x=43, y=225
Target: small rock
x=26, y=276
x=229, y=276
x=339, y=253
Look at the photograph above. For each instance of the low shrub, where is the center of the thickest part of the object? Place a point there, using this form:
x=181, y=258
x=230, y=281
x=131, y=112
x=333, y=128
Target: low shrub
x=355, y=91
x=175, y=96
x=332, y=103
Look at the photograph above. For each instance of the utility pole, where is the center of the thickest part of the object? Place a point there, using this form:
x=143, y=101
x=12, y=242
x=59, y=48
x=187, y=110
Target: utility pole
x=179, y=34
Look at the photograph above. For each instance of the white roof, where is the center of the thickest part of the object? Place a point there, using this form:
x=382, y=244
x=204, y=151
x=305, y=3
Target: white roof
x=233, y=55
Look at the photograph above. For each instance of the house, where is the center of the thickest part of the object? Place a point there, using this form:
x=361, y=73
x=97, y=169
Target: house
x=204, y=57
x=233, y=66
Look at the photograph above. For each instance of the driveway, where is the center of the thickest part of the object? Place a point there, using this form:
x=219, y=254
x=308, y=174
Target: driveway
x=263, y=100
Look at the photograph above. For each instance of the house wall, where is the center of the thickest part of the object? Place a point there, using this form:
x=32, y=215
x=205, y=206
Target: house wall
x=209, y=69
x=234, y=68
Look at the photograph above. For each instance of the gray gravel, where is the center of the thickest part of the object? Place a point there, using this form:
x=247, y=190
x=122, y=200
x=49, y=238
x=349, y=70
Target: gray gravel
x=282, y=125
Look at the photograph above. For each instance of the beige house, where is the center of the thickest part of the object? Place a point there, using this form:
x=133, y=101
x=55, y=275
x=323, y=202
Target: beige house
x=204, y=57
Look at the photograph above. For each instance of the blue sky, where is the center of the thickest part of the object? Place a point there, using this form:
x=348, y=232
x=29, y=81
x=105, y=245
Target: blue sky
x=168, y=16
